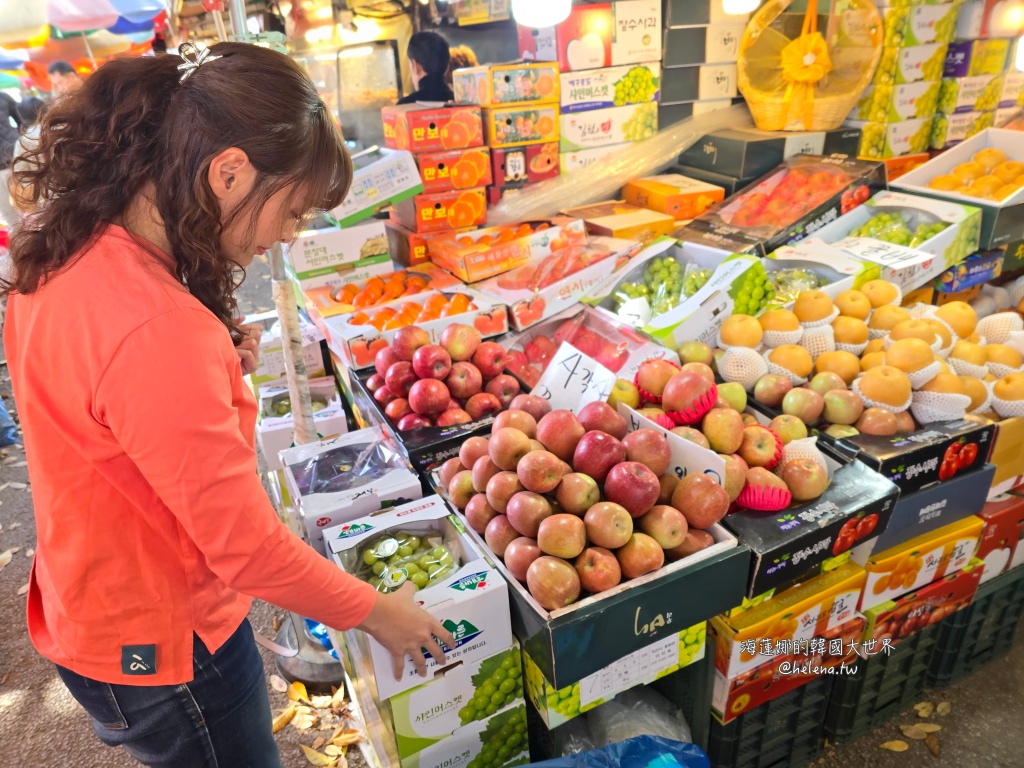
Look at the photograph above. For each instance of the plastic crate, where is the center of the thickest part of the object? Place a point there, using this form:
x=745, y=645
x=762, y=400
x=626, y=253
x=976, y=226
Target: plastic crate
x=883, y=686
x=981, y=632
x=782, y=733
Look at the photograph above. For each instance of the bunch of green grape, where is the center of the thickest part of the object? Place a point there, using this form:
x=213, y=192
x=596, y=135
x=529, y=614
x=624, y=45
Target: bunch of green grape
x=391, y=560
x=888, y=226
x=965, y=241
x=918, y=141
x=927, y=103
x=873, y=140
x=637, y=86
x=283, y=407
x=990, y=94
x=940, y=127
x=497, y=685
x=753, y=292
x=662, y=285
x=981, y=122
x=949, y=93
x=695, y=280
x=926, y=231
x=693, y=642
x=945, y=28
x=565, y=702
x=933, y=67
x=874, y=104
x=887, y=65
x=790, y=283
x=643, y=124
x=894, y=23
x=503, y=741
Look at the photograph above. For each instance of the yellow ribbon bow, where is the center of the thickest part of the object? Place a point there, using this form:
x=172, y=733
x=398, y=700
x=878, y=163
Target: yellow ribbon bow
x=805, y=61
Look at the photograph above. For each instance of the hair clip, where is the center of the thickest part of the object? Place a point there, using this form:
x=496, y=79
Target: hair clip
x=192, y=58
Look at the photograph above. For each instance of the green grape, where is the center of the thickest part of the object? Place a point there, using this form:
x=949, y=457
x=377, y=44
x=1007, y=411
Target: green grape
x=891, y=227
x=637, y=86
x=642, y=124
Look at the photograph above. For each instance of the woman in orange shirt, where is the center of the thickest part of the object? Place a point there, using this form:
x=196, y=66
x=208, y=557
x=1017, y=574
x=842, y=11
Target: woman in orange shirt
x=155, y=187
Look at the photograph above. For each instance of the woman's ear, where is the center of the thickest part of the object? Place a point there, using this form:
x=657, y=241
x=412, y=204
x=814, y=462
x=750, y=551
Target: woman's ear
x=231, y=176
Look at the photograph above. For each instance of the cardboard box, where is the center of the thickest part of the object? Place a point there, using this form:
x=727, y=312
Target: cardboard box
x=336, y=256
x=440, y=211
x=881, y=140
x=700, y=82
x=455, y=169
x=609, y=87
x=1001, y=222
x=684, y=13
x=599, y=35
x=536, y=162
x=711, y=44
x=625, y=221
x=480, y=255
x=467, y=744
x=275, y=431
x=515, y=83
x=1000, y=544
x=894, y=572
x=1013, y=88
x=677, y=196
x=920, y=24
x=571, y=162
x=939, y=505
x=897, y=166
x=910, y=65
x=948, y=130
x=422, y=128
x=976, y=19
x=519, y=126
x=971, y=94
x=382, y=177
x=320, y=480
x=408, y=248
x=895, y=103
x=730, y=184
x=272, y=368
x=978, y=269
x=969, y=58
x=604, y=127
x=670, y=114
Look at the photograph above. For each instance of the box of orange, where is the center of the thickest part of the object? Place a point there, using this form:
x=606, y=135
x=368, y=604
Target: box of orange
x=811, y=609
x=420, y=128
x=533, y=163
x=678, y=196
x=455, y=169
x=439, y=211
x=897, y=166
x=519, y=126
x=521, y=82
x=894, y=572
x=408, y=248
x=365, y=295
x=494, y=250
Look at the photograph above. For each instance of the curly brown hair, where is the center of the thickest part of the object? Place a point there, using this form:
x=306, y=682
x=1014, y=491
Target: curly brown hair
x=134, y=123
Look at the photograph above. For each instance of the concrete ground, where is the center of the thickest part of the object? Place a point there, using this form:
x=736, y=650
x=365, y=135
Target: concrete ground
x=41, y=725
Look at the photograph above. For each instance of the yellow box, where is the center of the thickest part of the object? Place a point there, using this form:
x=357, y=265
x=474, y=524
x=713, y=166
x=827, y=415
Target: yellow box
x=619, y=219
x=967, y=294
x=1008, y=451
x=678, y=196
x=522, y=125
x=505, y=84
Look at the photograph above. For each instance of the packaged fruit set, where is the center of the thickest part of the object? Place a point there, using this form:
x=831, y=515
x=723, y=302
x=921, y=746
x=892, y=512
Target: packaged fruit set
x=892, y=139
x=364, y=297
x=519, y=83
x=990, y=174
x=912, y=64
x=518, y=126
x=420, y=128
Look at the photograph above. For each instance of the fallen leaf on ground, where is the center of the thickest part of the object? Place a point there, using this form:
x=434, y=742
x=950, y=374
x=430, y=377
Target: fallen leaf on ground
x=346, y=738
x=4, y=678
x=277, y=623
x=15, y=550
x=30, y=552
x=18, y=486
x=15, y=525
x=20, y=464
x=283, y=719
x=23, y=589
x=319, y=742
x=913, y=732
x=932, y=742
x=929, y=727
x=278, y=684
x=10, y=460
x=321, y=702
x=944, y=708
x=297, y=692
x=314, y=757
x=338, y=699
x=5, y=558
x=925, y=709
x=304, y=720
x=895, y=746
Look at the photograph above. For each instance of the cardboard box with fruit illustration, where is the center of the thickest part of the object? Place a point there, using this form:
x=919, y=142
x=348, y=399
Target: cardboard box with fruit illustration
x=425, y=128
x=505, y=84
x=503, y=733
x=530, y=164
x=897, y=166
x=558, y=706
x=1000, y=545
x=882, y=140
x=611, y=87
x=334, y=256
x=911, y=64
x=604, y=127
x=519, y=126
x=970, y=58
x=898, y=619
x=793, y=666
x=919, y=24
x=948, y=130
x=382, y=177
x=971, y=94
x=570, y=162
x=678, y=196
x=617, y=218
x=463, y=592
x=909, y=566
x=321, y=481
x=787, y=205
x=408, y=248
x=275, y=429
x=441, y=211
x=455, y=169
x=492, y=251
x=978, y=269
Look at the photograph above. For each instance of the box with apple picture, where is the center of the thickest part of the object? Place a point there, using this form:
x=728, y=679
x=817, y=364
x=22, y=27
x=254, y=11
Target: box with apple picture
x=1000, y=545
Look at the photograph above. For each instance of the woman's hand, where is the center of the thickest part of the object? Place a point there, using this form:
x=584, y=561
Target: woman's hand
x=405, y=629
x=248, y=350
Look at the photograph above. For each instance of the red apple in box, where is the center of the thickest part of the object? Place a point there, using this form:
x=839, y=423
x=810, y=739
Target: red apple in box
x=472, y=450
x=702, y=501
x=735, y=475
x=464, y=380
x=503, y=387
x=383, y=396
x=684, y=390
x=771, y=388
x=460, y=489
x=407, y=340
x=694, y=541
x=399, y=378
x=649, y=448
x=806, y=478
x=640, y=555
x=431, y=361
x=602, y=417
x=759, y=448
x=479, y=513
x=499, y=534
x=482, y=405
x=397, y=408
x=608, y=525
x=668, y=483
x=576, y=493
x=562, y=536
x=598, y=569
x=384, y=359
x=692, y=434
x=526, y=510
x=453, y=416
x=633, y=486
x=375, y=382
x=483, y=470
x=596, y=454
x=490, y=359
x=723, y=427
x=666, y=525
x=507, y=447
x=560, y=432
x=553, y=582
x=448, y=470
x=461, y=341
x=429, y=397
x=501, y=488
x=540, y=350
x=519, y=556
x=653, y=375
x=540, y=471
x=520, y=420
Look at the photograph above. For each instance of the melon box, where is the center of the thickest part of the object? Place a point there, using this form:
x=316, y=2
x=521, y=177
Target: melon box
x=424, y=128
x=519, y=126
x=516, y=83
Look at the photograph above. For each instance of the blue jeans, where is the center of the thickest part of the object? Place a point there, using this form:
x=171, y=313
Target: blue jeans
x=221, y=718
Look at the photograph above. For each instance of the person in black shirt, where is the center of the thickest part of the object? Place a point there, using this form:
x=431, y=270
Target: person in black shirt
x=428, y=60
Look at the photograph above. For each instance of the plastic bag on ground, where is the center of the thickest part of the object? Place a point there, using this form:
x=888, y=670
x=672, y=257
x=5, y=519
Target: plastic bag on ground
x=639, y=711
x=8, y=430
x=639, y=752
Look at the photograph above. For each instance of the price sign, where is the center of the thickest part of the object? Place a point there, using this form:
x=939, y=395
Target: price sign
x=573, y=380
x=907, y=267
x=687, y=456
x=641, y=666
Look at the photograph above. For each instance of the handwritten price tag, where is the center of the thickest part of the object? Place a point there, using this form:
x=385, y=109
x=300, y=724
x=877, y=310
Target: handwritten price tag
x=687, y=457
x=573, y=380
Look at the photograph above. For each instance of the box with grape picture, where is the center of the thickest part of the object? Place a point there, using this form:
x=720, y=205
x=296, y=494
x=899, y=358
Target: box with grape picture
x=910, y=65
x=603, y=127
x=610, y=87
x=896, y=103
x=881, y=140
x=500, y=741
x=571, y=162
x=948, y=130
x=919, y=24
x=968, y=58
x=971, y=94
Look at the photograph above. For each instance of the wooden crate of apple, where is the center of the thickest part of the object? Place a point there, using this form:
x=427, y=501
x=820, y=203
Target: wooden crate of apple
x=460, y=380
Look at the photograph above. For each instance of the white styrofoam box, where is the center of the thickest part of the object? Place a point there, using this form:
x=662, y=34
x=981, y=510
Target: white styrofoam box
x=272, y=366
x=276, y=433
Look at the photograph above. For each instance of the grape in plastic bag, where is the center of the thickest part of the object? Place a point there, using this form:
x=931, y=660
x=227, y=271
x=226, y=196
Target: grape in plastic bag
x=790, y=283
x=345, y=468
x=391, y=560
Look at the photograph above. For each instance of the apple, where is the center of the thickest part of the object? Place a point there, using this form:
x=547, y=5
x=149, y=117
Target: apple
x=702, y=501
x=553, y=582
x=562, y=536
x=429, y=397
x=384, y=396
x=397, y=408
x=694, y=541
x=399, y=378
x=650, y=448
x=490, y=359
x=598, y=569
x=576, y=493
x=448, y=470
x=806, y=478
x=703, y=369
x=460, y=489
x=451, y=417
x=735, y=475
x=464, y=380
x=666, y=525
x=695, y=352
x=640, y=555
x=653, y=375
x=684, y=390
x=502, y=487
x=431, y=361
x=608, y=525
x=503, y=387
x=653, y=413
x=759, y=476
x=750, y=419
x=877, y=421
x=759, y=448
x=375, y=382
x=498, y=534
x=460, y=341
x=519, y=556
x=526, y=510
x=839, y=431
x=633, y=486
x=692, y=434
x=560, y=432
x=788, y=428
x=732, y=394
x=540, y=471
x=412, y=421
x=479, y=513
x=842, y=406
x=826, y=381
x=596, y=453
x=601, y=417
x=483, y=470
x=805, y=404
x=507, y=447
x=771, y=388
x=537, y=445
x=723, y=427
x=407, y=340
x=624, y=392
x=668, y=483
x=520, y=420
x=384, y=359
x=537, y=407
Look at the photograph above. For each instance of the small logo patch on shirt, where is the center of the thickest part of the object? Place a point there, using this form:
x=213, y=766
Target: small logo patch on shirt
x=138, y=659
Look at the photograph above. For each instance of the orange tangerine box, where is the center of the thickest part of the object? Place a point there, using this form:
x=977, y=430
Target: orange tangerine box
x=521, y=82
x=408, y=248
x=811, y=609
x=519, y=126
x=678, y=196
x=533, y=163
x=440, y=211
x=894, y=572
x=455, y=169
x=367, y=295
x=489, y=252
x=420, y=128
x=897, y=166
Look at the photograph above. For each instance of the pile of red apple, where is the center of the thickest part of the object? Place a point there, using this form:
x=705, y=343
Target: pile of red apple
x=531, y=362
x=574, y=504
x=460, y=380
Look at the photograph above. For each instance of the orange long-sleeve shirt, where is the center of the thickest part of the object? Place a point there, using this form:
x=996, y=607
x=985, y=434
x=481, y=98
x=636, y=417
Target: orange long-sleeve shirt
x=152, y=523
